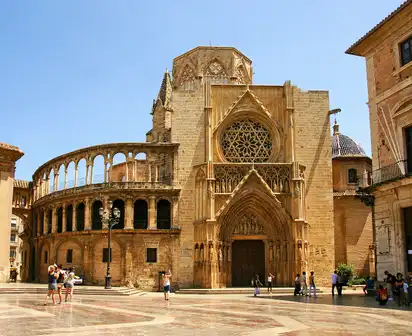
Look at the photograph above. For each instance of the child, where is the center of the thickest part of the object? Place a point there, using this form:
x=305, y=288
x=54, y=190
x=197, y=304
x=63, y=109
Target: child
x=405, y=290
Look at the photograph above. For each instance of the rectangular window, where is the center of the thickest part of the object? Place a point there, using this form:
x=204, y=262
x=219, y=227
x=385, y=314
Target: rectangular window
x=408, y=145
x=23, y=200
x=13, y=253
x=69, y=256
x=406, y=51
x=151, y=255
x=46, y=257
x=106, y=255
x=352, y=175
x=13, y=237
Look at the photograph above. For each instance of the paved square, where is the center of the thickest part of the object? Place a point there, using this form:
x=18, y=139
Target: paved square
x=202, y=315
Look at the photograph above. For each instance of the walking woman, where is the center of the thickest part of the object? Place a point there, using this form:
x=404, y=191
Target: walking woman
x=69, y=284
x=60, y=281
x=52, y=284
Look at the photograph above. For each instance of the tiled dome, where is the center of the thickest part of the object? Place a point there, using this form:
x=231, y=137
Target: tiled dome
x=343, y=146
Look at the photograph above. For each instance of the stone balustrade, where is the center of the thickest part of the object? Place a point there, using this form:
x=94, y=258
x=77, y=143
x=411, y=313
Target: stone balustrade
x=120, y=165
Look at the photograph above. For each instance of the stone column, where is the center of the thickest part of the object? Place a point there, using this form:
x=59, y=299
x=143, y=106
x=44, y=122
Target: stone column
x=76, y=173
x=65, y=177
x=105, y=170
x=129, y=214
x=39, y=224
x=64, y=219
x=87, y=172
x=87, y=219
x=56, y=181
x=152, y=213
x=91, y=172
x=45, y=221
x=175, y=212
x=54, y=220
x=74, y=219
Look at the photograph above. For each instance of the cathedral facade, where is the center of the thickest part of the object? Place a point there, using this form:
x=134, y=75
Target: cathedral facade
x=235, y=179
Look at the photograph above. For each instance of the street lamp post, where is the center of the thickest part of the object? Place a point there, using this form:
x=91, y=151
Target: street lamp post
x=110, y=217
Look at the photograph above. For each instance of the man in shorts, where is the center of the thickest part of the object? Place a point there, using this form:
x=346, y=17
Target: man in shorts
x=166, y=284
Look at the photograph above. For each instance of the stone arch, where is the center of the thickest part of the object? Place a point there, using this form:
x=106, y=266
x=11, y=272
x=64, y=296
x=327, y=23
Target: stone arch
x=200, y=194
x=119, y=170
x=164, y=214
x=187, y=77
x=266, y=207
x=400, y=105
x=275, y=225
x=99, y=267
x=95, y=215
x=120, y=204
x=140, y=214
x=44, y=263
x=80, y=216
x=215, y=72
x=77, y=248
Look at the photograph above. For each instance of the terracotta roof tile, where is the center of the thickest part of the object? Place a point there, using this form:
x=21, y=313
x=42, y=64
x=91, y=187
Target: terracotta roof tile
x=21, y=184
x=380, y=24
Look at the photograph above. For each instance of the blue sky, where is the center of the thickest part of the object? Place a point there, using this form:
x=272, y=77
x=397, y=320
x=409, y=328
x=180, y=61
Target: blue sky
x=79, y=73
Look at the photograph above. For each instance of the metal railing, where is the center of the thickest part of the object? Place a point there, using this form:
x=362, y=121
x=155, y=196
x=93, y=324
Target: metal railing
x=388, y=173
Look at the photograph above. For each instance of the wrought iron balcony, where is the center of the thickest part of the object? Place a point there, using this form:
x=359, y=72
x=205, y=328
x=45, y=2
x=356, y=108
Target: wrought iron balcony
x=385, y=174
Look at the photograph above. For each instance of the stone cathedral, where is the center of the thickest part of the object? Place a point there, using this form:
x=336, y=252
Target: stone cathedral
x=234, y=179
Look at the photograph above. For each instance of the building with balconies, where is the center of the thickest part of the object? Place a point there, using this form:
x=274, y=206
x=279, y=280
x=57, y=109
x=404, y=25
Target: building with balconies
x=387, y=49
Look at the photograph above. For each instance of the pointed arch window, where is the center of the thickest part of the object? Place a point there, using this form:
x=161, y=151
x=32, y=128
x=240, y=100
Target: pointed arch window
x=188, y=79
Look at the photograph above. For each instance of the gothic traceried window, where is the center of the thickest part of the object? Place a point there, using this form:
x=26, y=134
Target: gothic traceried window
x=246, y=141
x=240, y=75
x=216, y=74
x=188, y=79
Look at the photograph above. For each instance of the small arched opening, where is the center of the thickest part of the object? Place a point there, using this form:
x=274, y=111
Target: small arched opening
x=80, y=217
x=163, y=215
x=119, y=204
x=69, y=218
x=140, y=217
x=60, y=220
x=96, y=220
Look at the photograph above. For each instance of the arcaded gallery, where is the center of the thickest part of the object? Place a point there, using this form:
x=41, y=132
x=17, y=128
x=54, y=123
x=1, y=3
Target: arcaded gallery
x=234, y=179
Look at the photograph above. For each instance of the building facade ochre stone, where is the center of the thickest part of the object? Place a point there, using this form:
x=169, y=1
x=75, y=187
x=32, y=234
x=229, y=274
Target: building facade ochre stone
x=8, y=156
x=234, y=179
x=352, y=218
x=387, y=49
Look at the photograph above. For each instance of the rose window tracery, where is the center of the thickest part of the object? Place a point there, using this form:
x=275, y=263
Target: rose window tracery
x=246, y=141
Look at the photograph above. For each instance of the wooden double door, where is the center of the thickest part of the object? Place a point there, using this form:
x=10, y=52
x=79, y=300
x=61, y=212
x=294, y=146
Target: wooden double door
x=248, y=259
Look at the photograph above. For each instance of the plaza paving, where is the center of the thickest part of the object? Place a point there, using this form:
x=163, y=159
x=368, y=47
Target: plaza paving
x=150, y=314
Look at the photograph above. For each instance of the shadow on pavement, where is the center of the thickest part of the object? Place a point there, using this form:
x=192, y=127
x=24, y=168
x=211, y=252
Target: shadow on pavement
x=360, y=301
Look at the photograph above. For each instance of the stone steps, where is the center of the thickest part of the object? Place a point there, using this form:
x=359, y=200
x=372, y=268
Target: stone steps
x=79, y=290
x=236, y=290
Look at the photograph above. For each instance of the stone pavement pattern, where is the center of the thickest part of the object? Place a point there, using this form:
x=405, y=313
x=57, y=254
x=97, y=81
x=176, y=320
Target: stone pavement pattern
x=201, y=315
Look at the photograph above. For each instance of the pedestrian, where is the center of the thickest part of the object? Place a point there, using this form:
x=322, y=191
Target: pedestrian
x=390, y=283
x=304, y=288
x=297, y=285
x=406, y=293
x=69, y=284
x=60, y=281
x=334, y=282
x=312, y=284
x=270, y=280
x=52, y=284
x=257, y=284
x=166, y=284
x=382, y=296
x=341, y=282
